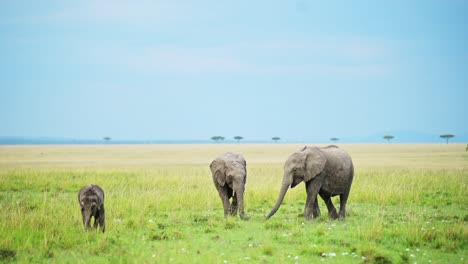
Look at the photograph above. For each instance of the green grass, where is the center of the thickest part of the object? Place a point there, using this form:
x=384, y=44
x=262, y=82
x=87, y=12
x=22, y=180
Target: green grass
x=408, y=204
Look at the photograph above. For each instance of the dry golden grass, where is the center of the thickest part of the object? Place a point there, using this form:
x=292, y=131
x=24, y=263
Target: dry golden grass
x=437, y=156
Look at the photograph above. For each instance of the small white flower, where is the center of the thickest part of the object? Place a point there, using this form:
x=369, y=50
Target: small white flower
x=344, y=253
x=153, y=256
x=332, y=254
x=407, y=249
x=182, y=249
x=250, y=245
x=225, y=261
x=417, y=249
x=412, y=255
x=296, y=257
x=151, y=221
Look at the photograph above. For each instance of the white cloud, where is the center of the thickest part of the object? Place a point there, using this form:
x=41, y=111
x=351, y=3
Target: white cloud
x=352, y=58
x=141, y=13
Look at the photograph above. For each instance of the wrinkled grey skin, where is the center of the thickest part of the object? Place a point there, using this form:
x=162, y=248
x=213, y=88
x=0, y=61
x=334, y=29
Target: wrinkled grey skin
x=229, y=177
x=325, y=171
x=91, y=199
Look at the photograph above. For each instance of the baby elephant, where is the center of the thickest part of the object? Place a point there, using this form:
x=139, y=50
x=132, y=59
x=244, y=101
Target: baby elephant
x=91, y=199
x=229, y=177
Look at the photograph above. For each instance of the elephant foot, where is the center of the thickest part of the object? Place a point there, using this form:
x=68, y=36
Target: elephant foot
x=341, y=217
x=333, y=215
x=233, y=211
x=243, y=216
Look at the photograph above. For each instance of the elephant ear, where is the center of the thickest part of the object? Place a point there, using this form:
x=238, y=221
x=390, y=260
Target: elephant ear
x=218, y=169
x=314, y=164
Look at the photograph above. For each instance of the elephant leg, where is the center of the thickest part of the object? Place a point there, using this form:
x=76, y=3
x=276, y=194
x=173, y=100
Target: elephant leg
x=311, y=202
x=316, y=209
x=102, y=219
x=343, y=201
x=96, y=222
x=331, y=208
x=225, y=199
x=234, y=205
x=102, y=223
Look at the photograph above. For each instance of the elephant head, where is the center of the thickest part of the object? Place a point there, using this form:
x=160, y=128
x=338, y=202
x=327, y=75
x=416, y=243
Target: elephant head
x=301, y=166
x=228, y=171
x=229, y=176
x=89, y=207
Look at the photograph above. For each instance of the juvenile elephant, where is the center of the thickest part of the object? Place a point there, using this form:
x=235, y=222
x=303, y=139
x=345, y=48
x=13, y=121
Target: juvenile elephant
x=91, y=199
x=325, y=171
x=229, y=177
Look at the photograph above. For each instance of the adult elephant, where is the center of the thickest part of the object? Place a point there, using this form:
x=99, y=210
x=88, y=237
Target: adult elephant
x=229, y=177
x=325, y=171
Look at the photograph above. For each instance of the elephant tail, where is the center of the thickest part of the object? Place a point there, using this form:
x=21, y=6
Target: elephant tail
x=284, y=189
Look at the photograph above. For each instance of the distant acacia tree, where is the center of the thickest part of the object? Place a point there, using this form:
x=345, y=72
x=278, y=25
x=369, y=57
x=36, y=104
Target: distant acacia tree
x=275, y=139
x=238, y=138
x=107, y=139
x=388, y=137
x=217, y=138
x=447, y=137
x=334, y=139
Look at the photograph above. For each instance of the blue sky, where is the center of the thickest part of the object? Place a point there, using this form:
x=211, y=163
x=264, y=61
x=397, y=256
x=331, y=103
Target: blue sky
x=301, y=70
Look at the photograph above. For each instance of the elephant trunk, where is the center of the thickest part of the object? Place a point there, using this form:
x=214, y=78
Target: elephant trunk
x=284, y=188
x=86, y=219
x=240, y=200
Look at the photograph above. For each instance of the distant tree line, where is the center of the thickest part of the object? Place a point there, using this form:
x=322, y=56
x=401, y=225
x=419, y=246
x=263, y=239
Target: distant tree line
x=275, y=139
x=218, y=139
x=447, y=137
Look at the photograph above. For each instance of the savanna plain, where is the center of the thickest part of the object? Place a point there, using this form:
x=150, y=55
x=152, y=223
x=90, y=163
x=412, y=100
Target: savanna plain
x=408, y=204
